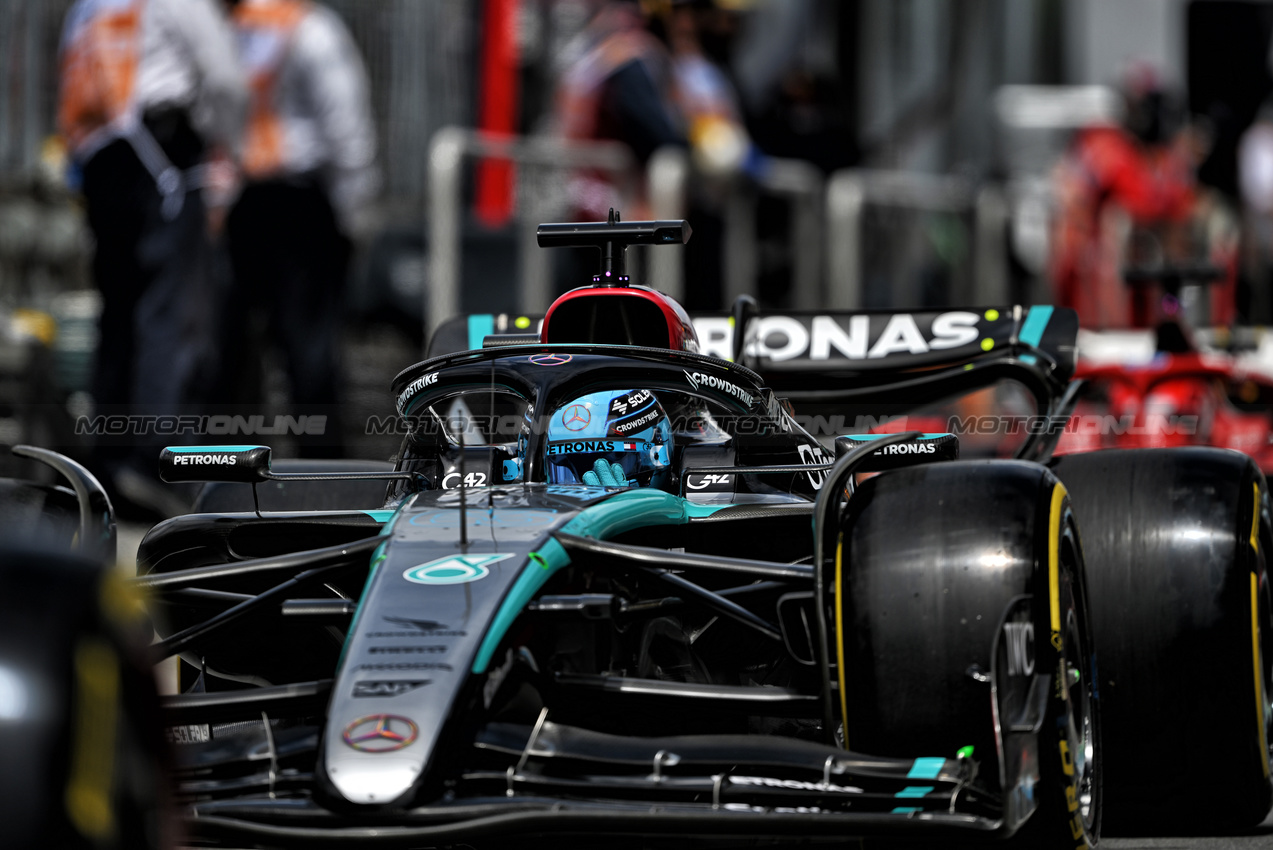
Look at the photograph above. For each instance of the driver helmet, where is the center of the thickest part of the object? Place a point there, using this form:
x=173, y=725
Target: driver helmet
x=616, y=438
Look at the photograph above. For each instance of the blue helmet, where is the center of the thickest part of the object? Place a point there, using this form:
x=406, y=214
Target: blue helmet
x=614, y=438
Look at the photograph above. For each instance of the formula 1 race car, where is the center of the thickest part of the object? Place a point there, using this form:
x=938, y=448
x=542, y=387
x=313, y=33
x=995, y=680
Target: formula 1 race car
x=611, y=587
x=1173, y=384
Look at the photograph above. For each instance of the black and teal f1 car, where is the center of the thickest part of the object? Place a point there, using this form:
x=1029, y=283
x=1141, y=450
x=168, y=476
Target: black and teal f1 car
x=677, y=613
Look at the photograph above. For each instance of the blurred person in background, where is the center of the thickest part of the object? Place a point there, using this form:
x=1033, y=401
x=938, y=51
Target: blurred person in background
x=704, y=92
x=720, y=148
x=1255, y=184
x=1127, y=195
x=645, y=78
x=309, y=173
x=149, y=90
x=621, y=88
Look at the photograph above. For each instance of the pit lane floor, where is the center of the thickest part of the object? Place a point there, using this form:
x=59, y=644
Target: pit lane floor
x=1260, y=837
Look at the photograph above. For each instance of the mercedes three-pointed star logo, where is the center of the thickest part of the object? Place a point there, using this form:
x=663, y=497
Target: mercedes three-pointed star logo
x=576, y=417
x=550, y=359
x=380, y=733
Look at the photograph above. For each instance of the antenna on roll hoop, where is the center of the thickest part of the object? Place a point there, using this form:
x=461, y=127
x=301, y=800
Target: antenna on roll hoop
x=612, y=237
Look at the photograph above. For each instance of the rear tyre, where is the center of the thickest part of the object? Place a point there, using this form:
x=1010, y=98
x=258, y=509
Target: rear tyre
x=960, y=572
x=1176, y=543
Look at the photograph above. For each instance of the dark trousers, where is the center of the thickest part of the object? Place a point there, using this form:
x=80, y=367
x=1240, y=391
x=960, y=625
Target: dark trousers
x=290, y=260
x=156, y=326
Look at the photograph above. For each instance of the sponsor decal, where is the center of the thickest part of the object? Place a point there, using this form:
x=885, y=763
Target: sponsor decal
x=550, y=359
x=630, y=447
x=570, y=491
x=415, y=387
x=1071, y=789
x=413, y=665
x=452, y=480
x=710, y=481
x=422, y=625
x=779, y=810
x=496, y=678
x=636, y=422
x=812, y=456
x=825, y=337
x=381, y=733
x=391, y=688
x=578, y=446
x=909, y=449
x=420, y=383
x=794, y=784
x=420, y=629
x=456, y=569
x=576, y=417
x=407, y=650
x=196, y=734
x=1019, y=641
x=185, y=459
x=699, y=380
x=621, y=406
x=778, y=413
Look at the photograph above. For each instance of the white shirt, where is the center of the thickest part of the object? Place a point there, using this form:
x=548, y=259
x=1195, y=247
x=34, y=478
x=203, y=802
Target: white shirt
x=322, y=99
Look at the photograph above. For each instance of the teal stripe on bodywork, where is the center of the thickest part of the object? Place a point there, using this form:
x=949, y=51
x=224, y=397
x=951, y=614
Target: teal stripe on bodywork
x=915, y=791
x=380, y=516
x=622, y=512
x=481, y=325
x=926, y=768
x=906, y=810
x=376, y=557
x=213, y=448
x=1036, y=322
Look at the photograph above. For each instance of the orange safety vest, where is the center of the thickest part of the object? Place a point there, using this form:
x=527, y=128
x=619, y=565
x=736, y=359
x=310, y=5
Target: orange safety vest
x=100, y=52
x=265, y=31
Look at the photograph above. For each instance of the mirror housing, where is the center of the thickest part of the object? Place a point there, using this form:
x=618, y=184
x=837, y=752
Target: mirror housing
x=923, y=449
x=241, y=464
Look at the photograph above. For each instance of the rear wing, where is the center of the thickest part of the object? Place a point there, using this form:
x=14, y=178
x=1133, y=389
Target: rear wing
x=803, y=343
x=810, y=343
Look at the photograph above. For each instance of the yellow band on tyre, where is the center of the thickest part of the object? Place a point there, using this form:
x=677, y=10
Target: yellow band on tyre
x=1259, y=679
x=1054, y=565
x=1260, y=716
x=1255, y=519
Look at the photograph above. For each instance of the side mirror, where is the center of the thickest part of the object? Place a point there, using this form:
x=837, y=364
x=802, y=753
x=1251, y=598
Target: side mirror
x=922, y=449
x=243, y=464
